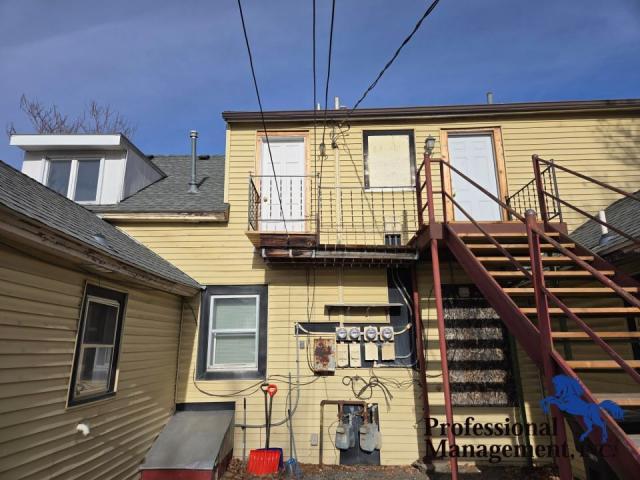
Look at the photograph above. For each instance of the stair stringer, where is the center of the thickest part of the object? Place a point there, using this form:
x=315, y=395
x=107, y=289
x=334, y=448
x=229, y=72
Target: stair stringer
x=626, y=461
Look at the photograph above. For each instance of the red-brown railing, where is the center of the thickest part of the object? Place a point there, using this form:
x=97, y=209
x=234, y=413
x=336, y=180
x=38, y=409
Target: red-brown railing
x=552, y=361
x=544, y=194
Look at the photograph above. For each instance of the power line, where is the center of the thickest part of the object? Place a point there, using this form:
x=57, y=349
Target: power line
x=393, y=58
x=326, y=86
x=315, y=93
x=264, y=124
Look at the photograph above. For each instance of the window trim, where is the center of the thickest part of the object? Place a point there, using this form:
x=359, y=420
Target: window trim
x=211, y=367
x=256, y=372
x=412, y=158
x=106, y=296
x=73, y=174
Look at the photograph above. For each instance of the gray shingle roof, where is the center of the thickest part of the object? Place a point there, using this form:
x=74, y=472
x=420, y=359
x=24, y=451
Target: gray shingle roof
x=624, y=214
x=171, y=193
x=25, y=196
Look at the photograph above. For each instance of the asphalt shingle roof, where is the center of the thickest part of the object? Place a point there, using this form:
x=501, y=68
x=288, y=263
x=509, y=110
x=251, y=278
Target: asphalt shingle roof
x=624, y=214
x=25, y=196
x=171, y=193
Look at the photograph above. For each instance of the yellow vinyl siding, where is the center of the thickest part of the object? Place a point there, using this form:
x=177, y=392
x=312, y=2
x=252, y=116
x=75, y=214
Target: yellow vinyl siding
x=39, y=311
x=603, y=147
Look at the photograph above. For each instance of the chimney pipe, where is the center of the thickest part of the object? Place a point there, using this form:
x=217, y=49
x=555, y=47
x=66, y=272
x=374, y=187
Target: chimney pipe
x=489, y=98
x=336, y=103
x=193, y=184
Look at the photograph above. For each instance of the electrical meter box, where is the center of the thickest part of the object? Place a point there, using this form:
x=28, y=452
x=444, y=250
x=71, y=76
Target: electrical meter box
x=324, y=354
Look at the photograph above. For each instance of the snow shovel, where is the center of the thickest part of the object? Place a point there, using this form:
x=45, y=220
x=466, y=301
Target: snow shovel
x=264, y=461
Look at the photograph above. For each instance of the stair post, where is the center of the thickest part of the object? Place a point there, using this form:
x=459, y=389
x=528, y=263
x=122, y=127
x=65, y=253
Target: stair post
x=546, y=342
x=437, y=293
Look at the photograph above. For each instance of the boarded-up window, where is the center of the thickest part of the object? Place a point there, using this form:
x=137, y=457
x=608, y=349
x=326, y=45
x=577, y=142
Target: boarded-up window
x=389, y=158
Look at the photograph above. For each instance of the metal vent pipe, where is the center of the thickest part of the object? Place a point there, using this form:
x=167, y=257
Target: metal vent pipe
x=193, y=184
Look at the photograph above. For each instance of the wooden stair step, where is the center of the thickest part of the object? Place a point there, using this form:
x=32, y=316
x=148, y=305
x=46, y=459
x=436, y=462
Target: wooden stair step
x=557, y=260
x=549, y=274
x=570, y=291
x=602, y=335
x=600, y=364
x=502, y=234
x=622, y=399
x=588, y=311
x=516, y=246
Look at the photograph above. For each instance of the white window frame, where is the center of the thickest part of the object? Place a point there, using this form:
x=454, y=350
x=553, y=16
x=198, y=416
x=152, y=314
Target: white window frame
x=83, y=345
x=73, y=175
x=211, y=340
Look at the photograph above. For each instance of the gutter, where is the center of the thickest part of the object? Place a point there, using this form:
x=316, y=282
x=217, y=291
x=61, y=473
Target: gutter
x=160, y=217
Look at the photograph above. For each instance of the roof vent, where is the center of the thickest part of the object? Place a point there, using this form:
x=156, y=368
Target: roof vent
x=101, y=239
x=204, y=157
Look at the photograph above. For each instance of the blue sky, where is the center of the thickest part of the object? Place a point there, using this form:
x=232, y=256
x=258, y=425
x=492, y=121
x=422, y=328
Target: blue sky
x=172, y=66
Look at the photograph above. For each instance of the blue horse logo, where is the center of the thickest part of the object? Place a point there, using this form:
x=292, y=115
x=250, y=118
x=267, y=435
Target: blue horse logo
x=567, y=399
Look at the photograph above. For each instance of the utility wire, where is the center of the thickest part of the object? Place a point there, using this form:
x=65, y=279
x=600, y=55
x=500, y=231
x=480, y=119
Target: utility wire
x=315, y=93
x=264, y=124
x=393, y=58
x=326, y=86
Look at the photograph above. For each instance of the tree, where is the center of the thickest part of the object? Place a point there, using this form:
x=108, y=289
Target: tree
x=50, y=120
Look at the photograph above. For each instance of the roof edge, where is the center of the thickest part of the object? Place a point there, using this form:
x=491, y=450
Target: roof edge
x=521, y=108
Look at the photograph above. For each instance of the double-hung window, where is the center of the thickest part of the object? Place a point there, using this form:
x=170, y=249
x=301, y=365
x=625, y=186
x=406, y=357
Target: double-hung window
x=77, y=179
x=95, y=362
x=233, y=332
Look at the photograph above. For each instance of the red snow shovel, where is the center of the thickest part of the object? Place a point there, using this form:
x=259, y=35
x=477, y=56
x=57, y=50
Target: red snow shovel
x=264, y=461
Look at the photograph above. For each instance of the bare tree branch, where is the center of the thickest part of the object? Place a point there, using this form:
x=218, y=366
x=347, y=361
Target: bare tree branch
x=50, y=120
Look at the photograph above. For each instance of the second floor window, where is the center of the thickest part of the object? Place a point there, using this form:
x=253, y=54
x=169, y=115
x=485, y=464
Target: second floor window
x=75, y=179
x=389, y=158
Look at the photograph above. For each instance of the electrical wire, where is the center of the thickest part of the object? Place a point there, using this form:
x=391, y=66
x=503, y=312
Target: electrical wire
x=393, y=58
x=264, y=123
x=326, y=87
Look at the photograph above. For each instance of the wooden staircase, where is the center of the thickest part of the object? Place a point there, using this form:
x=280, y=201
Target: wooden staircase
x=510, y=291
x=572, y=312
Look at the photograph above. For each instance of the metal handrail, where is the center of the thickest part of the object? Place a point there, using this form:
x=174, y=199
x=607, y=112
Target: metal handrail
x=587, y=178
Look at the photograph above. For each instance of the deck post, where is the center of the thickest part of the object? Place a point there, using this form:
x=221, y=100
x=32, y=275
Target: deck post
x=418, y=327
x=546, y=341
x=537, y=175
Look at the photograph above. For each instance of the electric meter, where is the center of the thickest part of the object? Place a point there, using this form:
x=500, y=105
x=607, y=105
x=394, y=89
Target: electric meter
x=370, y=334
x=354, y=334
x=342, y=334
x=386, y=333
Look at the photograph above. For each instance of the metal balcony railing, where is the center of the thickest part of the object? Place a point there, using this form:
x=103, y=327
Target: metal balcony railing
x=337, y=214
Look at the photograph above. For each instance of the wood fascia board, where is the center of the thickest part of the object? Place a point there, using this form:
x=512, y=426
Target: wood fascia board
x=34, y=234
x=145, y=217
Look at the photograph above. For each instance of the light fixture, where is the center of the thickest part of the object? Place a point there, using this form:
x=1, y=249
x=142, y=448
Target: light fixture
x=430, y=144
x=370, y=334
x=386, y=333
x=354, y=334
x=342, y=334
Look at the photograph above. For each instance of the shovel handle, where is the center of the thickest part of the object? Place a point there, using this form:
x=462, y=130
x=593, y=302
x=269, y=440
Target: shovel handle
x=269, y=388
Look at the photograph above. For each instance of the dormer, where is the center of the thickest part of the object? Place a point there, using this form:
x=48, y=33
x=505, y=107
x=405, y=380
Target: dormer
x=90, y=169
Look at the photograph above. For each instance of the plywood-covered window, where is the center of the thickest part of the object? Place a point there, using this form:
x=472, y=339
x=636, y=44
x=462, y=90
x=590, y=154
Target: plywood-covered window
x=96, y=355
x=389, y=158
x=233, y=332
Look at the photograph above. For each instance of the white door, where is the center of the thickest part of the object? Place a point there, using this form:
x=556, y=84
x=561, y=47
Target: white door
x=289, y=161
x=473, y=155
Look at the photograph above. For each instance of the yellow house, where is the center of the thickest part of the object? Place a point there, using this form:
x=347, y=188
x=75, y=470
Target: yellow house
x=345, y=253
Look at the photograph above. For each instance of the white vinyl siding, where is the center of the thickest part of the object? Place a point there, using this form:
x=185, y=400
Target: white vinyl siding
x=233, y=332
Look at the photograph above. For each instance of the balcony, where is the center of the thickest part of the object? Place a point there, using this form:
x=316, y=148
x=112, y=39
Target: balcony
x=298, y=219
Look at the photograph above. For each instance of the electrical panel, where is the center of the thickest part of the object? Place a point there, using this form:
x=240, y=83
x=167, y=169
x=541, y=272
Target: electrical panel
x=388, y=351
x=324, y=355
x=342, y=355
x=371, y=351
